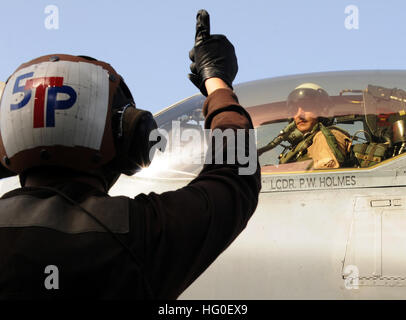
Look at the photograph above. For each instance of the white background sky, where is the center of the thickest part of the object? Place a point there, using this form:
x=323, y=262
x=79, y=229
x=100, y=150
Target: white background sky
x=148, y=42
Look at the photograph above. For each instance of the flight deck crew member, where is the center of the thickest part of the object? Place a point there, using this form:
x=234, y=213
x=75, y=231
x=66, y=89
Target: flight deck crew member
x=69, y=128
x=327, y=146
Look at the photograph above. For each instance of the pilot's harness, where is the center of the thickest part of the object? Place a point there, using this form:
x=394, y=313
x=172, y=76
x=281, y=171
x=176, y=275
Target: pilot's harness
x=299, y=152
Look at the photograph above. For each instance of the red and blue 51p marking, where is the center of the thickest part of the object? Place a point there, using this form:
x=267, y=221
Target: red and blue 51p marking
x=49, y=86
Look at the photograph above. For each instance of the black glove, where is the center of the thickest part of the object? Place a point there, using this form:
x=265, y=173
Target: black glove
x=212, y=55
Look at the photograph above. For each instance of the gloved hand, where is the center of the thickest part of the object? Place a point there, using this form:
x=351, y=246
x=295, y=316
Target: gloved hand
x=212, y=55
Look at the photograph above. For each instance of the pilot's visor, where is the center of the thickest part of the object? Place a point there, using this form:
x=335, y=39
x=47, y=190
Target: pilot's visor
x=307, y=105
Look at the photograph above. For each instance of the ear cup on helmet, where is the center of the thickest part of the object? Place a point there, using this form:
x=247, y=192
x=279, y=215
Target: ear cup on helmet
x=133, y=145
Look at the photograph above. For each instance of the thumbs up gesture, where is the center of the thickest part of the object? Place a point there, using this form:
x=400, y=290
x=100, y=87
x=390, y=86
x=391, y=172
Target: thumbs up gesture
x=212, y=56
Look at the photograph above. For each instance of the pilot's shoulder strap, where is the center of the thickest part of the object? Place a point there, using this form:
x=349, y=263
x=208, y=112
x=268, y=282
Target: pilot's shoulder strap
x=339, y=129
x=332, y=142
x=298, y=153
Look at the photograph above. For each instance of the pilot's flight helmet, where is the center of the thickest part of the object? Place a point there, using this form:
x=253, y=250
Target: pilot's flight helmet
x=311, y=97
x=74, y=112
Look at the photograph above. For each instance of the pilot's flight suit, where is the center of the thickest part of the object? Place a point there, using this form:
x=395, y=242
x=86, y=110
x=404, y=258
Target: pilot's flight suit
x=327, y=147
x=175, y=235
x=322, y=154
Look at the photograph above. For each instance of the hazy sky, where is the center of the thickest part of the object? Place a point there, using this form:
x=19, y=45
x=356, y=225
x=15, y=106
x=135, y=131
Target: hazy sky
x=148, y=42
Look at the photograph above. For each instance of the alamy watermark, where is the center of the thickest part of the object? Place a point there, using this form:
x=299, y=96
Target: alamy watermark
x=351, y=277
x=51, y=21
x=352, y=19
x=51, y=282
x=223, y=146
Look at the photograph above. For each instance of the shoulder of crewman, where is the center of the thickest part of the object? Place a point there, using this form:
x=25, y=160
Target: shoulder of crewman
x=338, y=131
x=337, y=139
x=343, y=138
x=338, y=134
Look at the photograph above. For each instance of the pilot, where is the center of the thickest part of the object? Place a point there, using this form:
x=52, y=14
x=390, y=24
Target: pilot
x=69, y=128
x=327, y=146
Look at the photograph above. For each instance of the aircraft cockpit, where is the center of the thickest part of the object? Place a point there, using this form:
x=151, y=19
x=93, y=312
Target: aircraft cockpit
x=368, y=107
x=373, y=118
